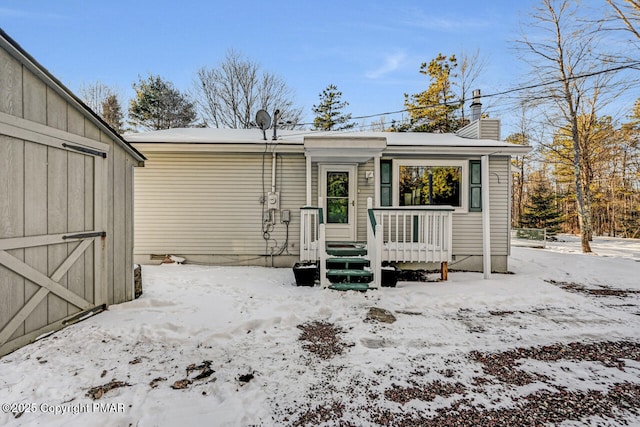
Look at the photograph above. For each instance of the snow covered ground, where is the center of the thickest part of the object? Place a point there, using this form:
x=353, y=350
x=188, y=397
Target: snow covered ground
x=557, y=340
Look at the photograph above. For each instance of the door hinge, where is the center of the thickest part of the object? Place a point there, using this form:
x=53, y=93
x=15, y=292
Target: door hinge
x=85, y=150
x=85, y=235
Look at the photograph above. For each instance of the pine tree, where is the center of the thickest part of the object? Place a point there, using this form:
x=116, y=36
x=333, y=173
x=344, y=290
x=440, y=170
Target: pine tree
x=541, y=211
x=329, y=115
x=112, y=113
x=435, y=109
x=158, y=105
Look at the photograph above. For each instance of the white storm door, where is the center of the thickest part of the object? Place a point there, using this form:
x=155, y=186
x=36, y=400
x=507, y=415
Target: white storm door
x=338, y=188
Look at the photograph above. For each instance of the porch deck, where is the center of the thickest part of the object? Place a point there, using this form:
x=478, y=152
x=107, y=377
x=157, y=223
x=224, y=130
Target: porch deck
x=394, y=235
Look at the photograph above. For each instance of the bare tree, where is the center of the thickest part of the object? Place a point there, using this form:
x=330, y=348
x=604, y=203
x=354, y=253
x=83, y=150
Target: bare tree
x=230, y=95
x=94, y=94
x=520, y=167
x=470, y=67
x=379, y=125
x=574, y=83
x=629, y=14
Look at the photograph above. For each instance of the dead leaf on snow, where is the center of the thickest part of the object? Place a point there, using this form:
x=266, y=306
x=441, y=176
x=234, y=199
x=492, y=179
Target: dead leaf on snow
x=181, y=384
x=97, y=392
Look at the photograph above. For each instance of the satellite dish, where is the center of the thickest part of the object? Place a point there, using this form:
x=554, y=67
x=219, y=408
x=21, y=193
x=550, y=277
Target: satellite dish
x=263, y=119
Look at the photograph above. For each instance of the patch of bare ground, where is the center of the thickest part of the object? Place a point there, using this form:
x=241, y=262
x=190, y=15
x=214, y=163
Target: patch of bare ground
x=319, y=414
x=427, y=392
x=503, y=365
x=602, y=291
x=537, y=409
x=550, y=406
x=322, y=339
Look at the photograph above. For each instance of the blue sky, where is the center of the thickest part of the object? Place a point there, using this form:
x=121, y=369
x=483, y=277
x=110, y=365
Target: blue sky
x=371, y=50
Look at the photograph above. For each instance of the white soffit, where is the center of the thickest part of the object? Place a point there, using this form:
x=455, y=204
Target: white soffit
x=343, y=149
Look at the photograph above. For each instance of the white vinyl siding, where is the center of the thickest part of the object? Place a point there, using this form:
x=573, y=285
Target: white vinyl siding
x=366, y=189
x=210, y=203
x=467, y=228
x=481, y=129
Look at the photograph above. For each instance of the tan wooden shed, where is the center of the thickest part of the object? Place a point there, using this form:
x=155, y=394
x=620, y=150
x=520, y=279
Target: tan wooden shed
x=66, y=204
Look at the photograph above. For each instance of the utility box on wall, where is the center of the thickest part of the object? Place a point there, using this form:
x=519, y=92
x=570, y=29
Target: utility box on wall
x=273, y=200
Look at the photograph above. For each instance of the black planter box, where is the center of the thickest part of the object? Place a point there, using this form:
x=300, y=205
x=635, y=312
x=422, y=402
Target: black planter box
x=390, y=276
x=306, y=274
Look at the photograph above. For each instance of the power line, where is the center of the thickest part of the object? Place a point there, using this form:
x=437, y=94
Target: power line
x=505, y=92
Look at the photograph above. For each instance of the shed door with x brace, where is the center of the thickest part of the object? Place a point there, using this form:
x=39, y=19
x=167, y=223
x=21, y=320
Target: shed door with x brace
x=52, y=229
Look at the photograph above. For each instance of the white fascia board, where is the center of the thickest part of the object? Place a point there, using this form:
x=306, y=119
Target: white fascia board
x=458, y=151
x=146, y=147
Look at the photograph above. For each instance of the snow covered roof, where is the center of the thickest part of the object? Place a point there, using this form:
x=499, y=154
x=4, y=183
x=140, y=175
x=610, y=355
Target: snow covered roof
x=297, y=137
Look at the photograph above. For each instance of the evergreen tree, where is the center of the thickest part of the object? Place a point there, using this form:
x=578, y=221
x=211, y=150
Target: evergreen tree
x=112, y=113
x=329, y=115
x=541, y=211
x=158, y=105
x=435, y=109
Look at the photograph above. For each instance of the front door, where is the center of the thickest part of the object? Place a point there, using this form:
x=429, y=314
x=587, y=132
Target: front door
x=338, y=189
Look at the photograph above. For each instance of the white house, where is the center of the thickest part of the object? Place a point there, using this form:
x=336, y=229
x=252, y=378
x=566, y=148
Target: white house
x=238, y=197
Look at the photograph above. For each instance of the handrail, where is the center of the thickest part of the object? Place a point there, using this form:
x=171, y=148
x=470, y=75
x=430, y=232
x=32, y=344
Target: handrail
x=372, y=220
x=445, y=208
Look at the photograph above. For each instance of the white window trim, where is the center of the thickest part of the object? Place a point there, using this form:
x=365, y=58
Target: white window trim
x=464, y=164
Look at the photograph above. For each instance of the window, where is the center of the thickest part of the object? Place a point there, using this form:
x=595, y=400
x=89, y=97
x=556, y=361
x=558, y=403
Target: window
x=431, y=183
x=475, y=186
x=385, y=183
x=337, y=197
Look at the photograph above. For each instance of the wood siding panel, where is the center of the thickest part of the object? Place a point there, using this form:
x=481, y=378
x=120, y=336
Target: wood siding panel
x=109, y=244
x=75, y=221
x=35, y=224
x=91, y=131
x=56, y=110
x=11, y=225
x=129, y=230
x=10, y=85
x=89, y=263
x=75, y=121
x=35, y=98
x=57, y=209
x=119, y=227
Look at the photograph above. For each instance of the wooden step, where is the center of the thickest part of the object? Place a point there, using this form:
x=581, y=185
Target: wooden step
x=349, y=276
x=347, y=263
x=346, y=286
x=341, y=249
x=349, y=272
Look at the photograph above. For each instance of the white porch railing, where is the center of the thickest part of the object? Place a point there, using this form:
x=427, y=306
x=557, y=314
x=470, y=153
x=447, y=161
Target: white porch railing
x=310, y=220
x=412, y=234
